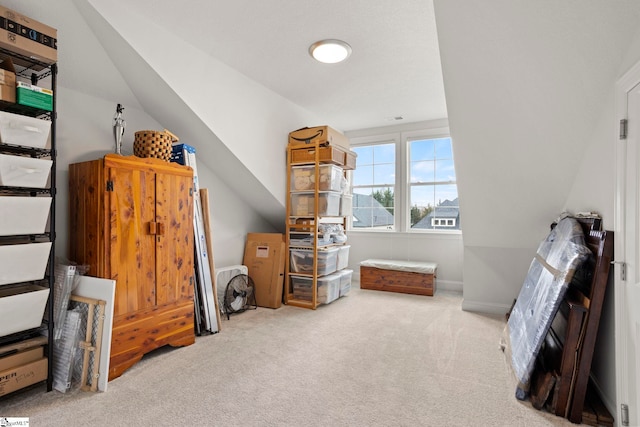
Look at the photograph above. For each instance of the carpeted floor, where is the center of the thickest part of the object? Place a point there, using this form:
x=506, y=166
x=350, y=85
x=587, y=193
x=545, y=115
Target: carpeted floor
x=369, y=359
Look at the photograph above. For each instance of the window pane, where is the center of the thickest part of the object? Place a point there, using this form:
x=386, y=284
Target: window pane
x=434, y=207
x=421, y=150
x=421, y=204
x=363, y=175
x=373, y=208
x=384, y=153
x=445, y=170
x=422, y=171
x=384, y=174
x=443, y=148
x=365, y=155
x=446, y=194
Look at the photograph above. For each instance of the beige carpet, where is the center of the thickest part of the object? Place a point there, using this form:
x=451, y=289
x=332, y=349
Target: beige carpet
x=369, y=359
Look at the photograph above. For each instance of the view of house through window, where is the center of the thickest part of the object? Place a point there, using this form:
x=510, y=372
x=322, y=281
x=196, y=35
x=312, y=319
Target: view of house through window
x=426, y=200
x=433, y=192
x=374, y=187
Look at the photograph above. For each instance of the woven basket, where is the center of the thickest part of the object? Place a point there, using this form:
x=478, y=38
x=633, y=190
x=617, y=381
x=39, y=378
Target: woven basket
x=151, y=143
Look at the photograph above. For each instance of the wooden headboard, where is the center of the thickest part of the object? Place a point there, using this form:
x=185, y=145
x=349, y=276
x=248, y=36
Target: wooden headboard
x=565, y=360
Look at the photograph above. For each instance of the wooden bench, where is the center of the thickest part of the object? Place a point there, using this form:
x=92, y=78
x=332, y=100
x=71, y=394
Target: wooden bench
x=409, y=277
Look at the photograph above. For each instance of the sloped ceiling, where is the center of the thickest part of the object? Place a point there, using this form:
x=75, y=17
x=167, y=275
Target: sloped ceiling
x=394, y=69
x=525, y=83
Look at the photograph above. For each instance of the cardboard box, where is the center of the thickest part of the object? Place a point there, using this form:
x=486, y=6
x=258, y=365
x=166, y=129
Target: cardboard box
x=7, y=79
x=323, y=135
x=265, y=257
x=23, y=376
x=21, y=358
x=28, y=37
x=34, y=96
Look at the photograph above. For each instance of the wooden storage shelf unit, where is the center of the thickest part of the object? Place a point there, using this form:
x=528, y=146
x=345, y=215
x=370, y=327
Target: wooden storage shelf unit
x=315, y=155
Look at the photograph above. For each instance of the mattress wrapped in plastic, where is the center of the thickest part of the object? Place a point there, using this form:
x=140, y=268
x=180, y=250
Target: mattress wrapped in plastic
x=545, y=285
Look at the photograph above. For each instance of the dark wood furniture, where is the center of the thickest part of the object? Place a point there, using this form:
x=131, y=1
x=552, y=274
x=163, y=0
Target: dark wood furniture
x=131, y=220
x=397, y=281
x=564, y=362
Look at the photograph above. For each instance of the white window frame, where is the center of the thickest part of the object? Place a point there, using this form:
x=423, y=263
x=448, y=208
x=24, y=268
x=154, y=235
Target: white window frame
x=401, y=136
x=379, y=140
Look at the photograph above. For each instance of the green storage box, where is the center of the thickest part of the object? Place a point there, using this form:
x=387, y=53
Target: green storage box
x=34, y=96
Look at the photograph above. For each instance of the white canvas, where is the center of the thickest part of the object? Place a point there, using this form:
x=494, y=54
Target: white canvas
x=102, y=289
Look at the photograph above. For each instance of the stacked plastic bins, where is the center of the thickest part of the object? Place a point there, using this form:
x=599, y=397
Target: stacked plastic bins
x=23, y=259
x=330, y=257
x=26, y=239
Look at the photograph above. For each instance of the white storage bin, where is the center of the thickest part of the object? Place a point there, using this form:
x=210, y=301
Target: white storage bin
x=302, y=261
x=302, y=204
x=345, y=281
x=24, y=130
x=18, y=171
x=23, y=215
x=22, y=308
x=343, y=257
x=23, y=262
x=328, y=288
x=303, y=178
x=346, y=205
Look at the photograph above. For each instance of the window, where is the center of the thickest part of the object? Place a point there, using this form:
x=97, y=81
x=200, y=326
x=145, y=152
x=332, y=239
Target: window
x=374, y=187
x=405, y=181
x=433, y=194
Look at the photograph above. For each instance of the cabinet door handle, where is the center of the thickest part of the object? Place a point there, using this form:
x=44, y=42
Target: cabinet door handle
x=153, y=227
x=160, y=228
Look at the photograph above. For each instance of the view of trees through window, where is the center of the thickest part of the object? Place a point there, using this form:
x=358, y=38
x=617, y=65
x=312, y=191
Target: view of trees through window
x=374, y=186
x=431, y=200
x=432, y=180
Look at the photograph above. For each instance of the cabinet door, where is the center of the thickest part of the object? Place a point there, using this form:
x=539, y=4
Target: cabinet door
x=174, y=242
x=131, y=244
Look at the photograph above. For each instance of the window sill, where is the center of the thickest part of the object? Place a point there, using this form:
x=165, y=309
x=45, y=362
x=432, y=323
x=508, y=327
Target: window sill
x=436, y=234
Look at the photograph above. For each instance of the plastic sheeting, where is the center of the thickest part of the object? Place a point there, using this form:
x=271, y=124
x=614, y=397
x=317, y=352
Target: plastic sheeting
x=550, y=273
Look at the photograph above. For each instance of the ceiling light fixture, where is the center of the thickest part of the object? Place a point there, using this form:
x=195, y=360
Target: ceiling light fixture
x=330, y=51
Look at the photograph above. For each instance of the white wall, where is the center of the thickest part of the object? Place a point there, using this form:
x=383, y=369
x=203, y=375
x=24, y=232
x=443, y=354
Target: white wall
x=525, y=84
x=594, y=189
x=446, y=250
x=239, y=126
x=86, y=106
x=529, y=89
x=85, y=133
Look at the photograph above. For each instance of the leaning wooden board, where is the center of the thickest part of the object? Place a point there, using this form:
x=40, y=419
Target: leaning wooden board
x=204, y=198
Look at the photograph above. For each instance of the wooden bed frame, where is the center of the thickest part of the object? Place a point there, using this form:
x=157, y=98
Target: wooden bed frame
x=564, y=363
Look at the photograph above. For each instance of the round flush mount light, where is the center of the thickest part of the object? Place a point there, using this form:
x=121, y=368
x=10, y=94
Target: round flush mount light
x=330, y=51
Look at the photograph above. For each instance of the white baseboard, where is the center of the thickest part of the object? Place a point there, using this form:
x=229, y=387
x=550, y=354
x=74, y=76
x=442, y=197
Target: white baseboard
x=484, y=307
x=448, y=285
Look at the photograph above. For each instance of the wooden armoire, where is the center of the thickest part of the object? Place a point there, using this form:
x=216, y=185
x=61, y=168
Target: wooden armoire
x=131, y=220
